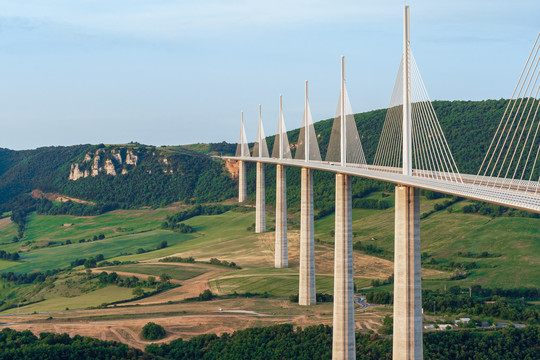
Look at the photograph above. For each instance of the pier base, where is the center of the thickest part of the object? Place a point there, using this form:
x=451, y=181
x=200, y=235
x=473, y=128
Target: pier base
x=260, y=216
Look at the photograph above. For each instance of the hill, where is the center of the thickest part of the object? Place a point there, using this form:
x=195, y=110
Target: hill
x=120, y=176
x=134, y=175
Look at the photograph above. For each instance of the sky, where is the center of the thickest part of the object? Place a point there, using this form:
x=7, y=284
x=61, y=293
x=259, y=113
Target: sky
x=166, y=72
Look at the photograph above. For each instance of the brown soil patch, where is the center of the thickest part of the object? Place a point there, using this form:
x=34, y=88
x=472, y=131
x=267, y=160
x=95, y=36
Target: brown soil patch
x=233, y=167
x=183, y=320
x=5, y=221
x=38, y=194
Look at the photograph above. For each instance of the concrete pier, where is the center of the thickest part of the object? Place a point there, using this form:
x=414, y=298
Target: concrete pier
x=407, y=338
x=306, y=289
x=343, y=346
x=242, y=184
x=260, y=216
x=281, y=254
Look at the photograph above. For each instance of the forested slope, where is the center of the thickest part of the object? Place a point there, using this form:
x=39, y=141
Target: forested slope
x=149, y=182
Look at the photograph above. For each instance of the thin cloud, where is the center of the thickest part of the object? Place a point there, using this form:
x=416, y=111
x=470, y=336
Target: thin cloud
x=167, y=19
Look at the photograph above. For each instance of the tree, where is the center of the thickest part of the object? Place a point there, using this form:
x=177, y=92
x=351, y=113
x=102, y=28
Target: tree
x=152, y=331
x=138, y=292
x=206, y=295
x=165, y=277
x=162, y=245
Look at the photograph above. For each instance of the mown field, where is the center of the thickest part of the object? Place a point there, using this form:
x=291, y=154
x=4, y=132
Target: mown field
x=175, y=271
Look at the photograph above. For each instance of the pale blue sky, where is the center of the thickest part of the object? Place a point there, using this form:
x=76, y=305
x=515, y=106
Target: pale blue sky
x=177, y=72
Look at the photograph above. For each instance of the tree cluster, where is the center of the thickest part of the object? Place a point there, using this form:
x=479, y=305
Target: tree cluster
x=320, y=298
x=174, y=222
x=28, y=278
x=4, y=255
x=25, y=345
x=315, y=342
x=496, y=210
x=369, y=249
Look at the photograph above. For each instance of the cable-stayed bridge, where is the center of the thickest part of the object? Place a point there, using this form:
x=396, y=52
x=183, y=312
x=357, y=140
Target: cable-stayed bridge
x=412, y=153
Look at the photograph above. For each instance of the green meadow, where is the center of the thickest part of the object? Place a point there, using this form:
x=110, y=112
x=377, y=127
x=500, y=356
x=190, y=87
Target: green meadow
x=276, y=282
x=175, y=271
x=61, y=256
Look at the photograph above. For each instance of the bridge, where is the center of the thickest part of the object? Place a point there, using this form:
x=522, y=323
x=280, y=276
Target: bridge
x=413, y=154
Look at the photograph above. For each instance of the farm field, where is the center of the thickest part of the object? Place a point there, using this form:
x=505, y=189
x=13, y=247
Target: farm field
x=227, y=237
x=175, y=271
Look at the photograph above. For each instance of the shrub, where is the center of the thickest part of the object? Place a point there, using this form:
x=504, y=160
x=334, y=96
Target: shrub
x=206, y=295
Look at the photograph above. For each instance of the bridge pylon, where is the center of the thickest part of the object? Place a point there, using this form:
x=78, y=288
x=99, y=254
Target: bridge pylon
x=261, y=150
x=281, y=150
x=343, y=340
x=306, y=286
x=242, y=150
x=407, y=329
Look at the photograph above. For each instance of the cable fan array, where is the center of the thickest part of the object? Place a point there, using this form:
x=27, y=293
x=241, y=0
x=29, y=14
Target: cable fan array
x=511, y=162
x=260, y=148
x=242, y=149
x=353, y=145
x=281, y=149
x=431, y=155
x=309, y=138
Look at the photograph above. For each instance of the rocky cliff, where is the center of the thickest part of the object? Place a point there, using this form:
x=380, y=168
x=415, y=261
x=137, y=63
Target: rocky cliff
x=108, y=161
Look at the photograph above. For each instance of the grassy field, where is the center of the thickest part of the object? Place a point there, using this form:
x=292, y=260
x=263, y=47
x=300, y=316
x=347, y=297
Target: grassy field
x=74, y=289
x=175, y=271
x=222, y=236
x=444, y=234
x=114, y=223
x=276, y=282
x=94, y=298
x=61, y=256
x=226, y=237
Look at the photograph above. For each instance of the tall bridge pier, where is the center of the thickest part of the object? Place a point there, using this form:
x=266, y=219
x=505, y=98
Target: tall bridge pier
x=242, y=184
x=306, y=288
x=281, y=254
x=407, y=333
x=260, y=215
x=343, y=344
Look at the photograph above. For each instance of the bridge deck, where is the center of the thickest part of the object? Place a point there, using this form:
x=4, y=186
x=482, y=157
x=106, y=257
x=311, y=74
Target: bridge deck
x=515, y=196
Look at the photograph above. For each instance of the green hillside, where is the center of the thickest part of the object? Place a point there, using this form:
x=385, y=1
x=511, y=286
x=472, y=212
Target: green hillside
x=128, y=176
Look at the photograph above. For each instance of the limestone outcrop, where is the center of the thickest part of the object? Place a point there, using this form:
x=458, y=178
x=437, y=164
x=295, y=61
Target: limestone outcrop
x=75, y=173
x=131, y=158
x=119, y=160
x=109, y=167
